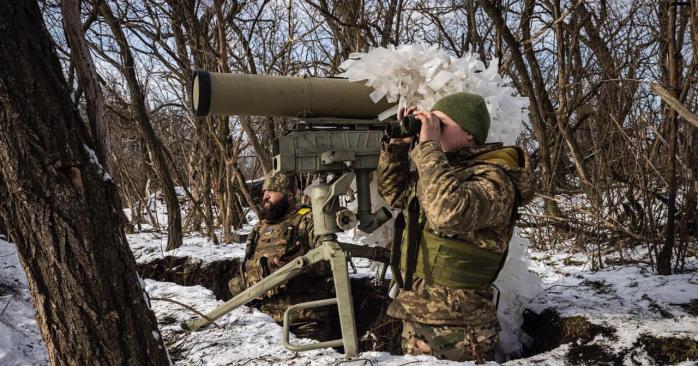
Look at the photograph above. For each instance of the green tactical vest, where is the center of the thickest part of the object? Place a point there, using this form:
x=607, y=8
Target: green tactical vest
x=452, y=262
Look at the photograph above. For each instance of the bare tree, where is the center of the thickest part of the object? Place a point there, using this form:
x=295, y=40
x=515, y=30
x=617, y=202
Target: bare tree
x=615, y=171
x=155, y=149
x=62, y=211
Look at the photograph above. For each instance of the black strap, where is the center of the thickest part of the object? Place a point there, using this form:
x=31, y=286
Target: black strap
x=413, y=237
x=251, y=246
x=396, y=249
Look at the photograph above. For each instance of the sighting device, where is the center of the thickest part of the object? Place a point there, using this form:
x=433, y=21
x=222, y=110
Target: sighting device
x=338, y=138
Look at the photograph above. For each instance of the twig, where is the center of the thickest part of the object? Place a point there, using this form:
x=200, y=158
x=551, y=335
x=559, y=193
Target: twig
x=188, y=307
x=6, y=305
x=546, y=28
x=609, y=224
x=365, y=360
x=675, y=104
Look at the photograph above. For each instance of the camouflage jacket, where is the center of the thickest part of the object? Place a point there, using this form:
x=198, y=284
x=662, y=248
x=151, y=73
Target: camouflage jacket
x=468, y=195
x=271, y=245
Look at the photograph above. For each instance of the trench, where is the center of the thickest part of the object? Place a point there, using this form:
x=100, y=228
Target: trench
x=549, y=330
x=379, y=332
x=376, y=330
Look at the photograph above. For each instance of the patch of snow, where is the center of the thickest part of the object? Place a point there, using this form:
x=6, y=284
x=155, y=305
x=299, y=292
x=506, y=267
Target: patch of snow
x=20, y=339
x=630, y=299
x=127, y=212
x=95, y=160
x=179, y=191
x=147, y=247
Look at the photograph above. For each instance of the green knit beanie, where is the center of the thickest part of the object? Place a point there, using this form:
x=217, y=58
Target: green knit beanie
x=468, y=111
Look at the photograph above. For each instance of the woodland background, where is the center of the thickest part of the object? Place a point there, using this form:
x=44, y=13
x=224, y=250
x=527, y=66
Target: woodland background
x=611, y=130
x=616, y=165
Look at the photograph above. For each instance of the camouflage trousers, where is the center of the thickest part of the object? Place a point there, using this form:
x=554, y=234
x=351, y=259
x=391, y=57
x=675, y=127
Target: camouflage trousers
x=469, y=343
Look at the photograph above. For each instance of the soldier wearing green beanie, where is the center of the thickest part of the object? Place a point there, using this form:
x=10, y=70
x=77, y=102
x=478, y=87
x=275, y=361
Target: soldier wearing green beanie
x=469, y=111
x=459, y=208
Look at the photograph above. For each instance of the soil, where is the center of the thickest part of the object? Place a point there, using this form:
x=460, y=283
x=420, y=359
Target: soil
x=549, y=330
x=186, y=271
x=594, y=354
x=670, y=350
x=377, y=331
x=691, y=307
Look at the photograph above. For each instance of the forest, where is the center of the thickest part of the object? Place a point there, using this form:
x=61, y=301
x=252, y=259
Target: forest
x=111, y=189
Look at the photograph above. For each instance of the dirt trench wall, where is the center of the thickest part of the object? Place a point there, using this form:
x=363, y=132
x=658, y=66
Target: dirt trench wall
x=187, y=271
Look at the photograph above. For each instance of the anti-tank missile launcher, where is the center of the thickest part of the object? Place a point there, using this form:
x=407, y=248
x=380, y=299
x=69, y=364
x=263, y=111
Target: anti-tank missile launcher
x=338, y=136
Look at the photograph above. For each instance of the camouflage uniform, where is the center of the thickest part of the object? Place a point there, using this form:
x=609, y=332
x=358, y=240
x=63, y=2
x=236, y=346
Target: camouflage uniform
x=469, y=196
x=273, y=244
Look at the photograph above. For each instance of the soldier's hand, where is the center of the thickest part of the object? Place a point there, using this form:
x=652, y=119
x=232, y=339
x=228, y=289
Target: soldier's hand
x=279, y=262
x=400, y=115
x=431, y=126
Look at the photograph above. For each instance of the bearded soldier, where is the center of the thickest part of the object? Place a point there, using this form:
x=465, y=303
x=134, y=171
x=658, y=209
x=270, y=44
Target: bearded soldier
x=459, y=207
x=284, y=232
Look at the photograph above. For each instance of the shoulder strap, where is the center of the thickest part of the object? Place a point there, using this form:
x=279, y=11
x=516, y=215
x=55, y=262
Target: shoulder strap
x=414, y=232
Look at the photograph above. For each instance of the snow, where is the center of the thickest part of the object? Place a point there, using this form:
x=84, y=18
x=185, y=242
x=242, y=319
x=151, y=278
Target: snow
x=150, y=246
x=95, y=160
x=180, y=191
x=246, y=335
x=20, y=340
x=630, y=299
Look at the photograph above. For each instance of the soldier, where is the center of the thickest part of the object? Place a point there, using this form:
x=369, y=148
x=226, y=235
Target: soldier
x=284, y=232
x=459, y=208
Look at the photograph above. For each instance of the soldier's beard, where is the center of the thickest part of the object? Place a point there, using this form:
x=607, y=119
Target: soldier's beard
x=274, y=211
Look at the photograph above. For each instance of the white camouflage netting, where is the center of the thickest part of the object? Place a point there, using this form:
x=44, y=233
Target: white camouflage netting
x=418, y=74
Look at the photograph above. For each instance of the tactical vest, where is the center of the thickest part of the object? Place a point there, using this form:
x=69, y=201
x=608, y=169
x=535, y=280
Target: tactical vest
x=275, y=241
x=454, y=263
x=446, y=261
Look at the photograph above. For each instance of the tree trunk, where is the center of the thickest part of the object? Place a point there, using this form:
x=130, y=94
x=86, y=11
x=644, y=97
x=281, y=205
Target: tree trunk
x=541, y=109
x=62, y=211
x=87, y=74
x=671, y=75
x=174, y=217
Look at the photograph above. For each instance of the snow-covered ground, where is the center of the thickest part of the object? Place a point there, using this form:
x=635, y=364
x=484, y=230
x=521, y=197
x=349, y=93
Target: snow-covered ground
x=630, y=300
x=246, y=336
x=149, y=246
x=20, y=341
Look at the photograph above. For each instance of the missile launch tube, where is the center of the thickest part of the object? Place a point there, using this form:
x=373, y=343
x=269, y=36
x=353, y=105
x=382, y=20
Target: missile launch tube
x=266, y=95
